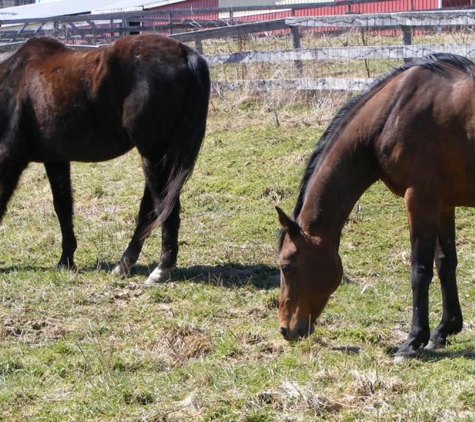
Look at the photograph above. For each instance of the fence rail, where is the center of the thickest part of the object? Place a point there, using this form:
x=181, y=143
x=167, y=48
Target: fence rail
x=92, y=28
x=382, y=20
x=405, y=22
x=318, y=84
x=393, y=52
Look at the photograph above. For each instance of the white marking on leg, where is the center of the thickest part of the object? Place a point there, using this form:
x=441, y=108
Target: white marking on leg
x=117, y=270
x=158, y=275
x=122, y=269
x=401, y=358
x=432, y=345
x=405, y=357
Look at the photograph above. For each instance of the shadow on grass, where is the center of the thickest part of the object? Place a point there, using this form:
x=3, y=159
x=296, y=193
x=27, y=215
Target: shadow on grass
x=24, y=268
x=229, y=275
x=437, y=355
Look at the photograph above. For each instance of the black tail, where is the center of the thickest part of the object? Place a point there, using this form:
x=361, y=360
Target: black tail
x=187, y=140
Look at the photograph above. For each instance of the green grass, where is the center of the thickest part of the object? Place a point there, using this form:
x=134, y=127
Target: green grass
x=205, y=346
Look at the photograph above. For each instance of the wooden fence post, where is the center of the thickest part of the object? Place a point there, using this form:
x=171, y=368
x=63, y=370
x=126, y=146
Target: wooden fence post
x=123, y=31
x=199, y=45
x=406, y=38
x=296, y=44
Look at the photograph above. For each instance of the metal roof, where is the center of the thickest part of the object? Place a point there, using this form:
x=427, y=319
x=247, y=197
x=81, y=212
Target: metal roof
x=75, y=7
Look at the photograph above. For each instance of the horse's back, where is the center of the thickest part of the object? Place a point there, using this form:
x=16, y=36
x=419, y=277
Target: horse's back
x=98, y=104
x=427, y=141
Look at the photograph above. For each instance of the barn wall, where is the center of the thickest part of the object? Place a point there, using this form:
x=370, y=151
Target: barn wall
x=455, y=3
x=378, y=7
x=195, y=4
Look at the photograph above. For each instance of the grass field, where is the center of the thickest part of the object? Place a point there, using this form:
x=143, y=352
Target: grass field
x=87, y=346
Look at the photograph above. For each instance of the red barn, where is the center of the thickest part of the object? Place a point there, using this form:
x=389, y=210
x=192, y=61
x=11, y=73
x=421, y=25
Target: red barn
x=202, y=11
x=268, y=9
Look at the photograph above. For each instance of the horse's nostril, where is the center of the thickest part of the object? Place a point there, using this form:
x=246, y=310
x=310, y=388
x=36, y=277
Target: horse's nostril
x=283, y=331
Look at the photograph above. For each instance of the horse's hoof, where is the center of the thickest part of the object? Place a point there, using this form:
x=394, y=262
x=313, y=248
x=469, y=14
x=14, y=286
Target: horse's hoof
x=66, y=263
x=158, y=275
x=404, y=357
x=117, y=270
x=121, y=270
x=400, y=359
x=435, y=345
x=68, y=266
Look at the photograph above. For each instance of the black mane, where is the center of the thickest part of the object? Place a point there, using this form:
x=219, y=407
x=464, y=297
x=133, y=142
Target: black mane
x=440, y=63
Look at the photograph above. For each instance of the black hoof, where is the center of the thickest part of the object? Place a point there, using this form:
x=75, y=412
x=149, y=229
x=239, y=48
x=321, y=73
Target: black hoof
x=68, y=265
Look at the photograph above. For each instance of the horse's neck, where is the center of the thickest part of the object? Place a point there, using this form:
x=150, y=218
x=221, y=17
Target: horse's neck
x=344, y=173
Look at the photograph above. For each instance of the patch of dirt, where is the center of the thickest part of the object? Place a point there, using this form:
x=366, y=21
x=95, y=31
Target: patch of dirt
x=32, y=331
x=179, y=344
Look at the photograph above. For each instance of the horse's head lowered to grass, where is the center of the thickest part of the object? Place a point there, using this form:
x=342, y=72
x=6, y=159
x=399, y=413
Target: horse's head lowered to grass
x=310, y=271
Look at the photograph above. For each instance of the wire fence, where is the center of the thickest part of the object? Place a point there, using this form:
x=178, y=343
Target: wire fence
x=336, y=53
x=283, y=60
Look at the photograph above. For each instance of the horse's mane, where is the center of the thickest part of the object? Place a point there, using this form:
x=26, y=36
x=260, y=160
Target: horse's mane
x=440, y=63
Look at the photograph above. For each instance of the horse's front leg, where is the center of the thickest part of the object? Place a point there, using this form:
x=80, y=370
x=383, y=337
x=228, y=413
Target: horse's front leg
x=145, y=221
x=423, y=215
x=10, y=172
x=59, y=176
x=446, y=264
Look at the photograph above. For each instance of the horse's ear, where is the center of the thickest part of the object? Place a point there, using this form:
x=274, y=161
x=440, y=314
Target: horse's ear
x=290, y=226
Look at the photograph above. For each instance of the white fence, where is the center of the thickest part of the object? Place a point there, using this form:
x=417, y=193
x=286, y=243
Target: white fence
x=344, y=52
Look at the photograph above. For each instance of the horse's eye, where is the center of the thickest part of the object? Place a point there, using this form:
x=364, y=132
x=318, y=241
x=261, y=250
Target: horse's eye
x=286, y=268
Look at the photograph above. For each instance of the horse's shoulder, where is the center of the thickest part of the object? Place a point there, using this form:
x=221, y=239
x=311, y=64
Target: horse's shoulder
x=35, y=50
x=42, y=47
x=44, y=42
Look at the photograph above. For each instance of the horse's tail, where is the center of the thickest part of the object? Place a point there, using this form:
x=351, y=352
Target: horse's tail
x=186, y=142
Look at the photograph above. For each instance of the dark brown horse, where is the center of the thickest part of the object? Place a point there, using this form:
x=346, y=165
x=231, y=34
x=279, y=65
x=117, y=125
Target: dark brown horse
x=414, y=129
x=59, y=105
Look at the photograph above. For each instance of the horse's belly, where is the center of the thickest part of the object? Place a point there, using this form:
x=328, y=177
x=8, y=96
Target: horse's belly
x=461, y=196
x=85, y=151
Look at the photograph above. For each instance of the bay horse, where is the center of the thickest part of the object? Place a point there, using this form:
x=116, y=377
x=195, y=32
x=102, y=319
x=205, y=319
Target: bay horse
x=59, y=105
x=414, y=129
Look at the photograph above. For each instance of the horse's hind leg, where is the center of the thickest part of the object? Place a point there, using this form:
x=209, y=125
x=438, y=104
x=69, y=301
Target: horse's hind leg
x=170, y=228
x=156, y=179
x=59, y=175
x=446, y=264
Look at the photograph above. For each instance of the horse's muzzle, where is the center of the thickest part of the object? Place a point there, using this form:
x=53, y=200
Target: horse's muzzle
x=299, y=331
